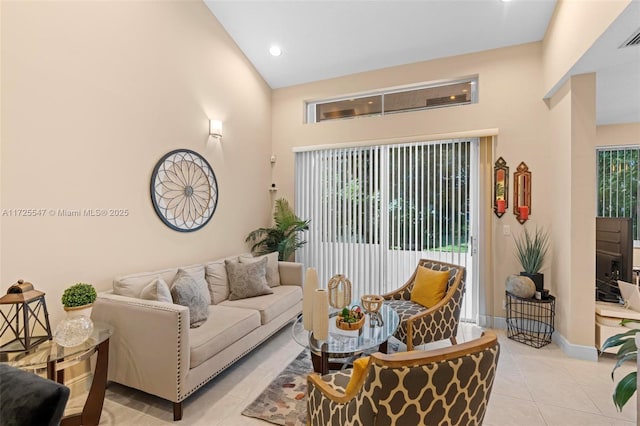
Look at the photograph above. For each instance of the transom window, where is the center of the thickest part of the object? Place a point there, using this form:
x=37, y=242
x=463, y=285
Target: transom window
x=391, y=101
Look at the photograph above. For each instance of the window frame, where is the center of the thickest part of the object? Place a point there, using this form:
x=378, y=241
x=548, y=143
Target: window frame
x=311, y=105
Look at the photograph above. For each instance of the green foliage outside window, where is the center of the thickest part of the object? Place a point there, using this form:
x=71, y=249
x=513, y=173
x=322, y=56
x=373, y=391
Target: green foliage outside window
x=618, y=184
x=428, y=200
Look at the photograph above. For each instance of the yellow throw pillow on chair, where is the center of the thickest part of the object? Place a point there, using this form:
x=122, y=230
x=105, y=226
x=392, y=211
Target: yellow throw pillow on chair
x=429, y=286
x=359, y=370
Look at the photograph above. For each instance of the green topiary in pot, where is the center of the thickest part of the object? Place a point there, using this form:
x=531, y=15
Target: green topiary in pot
x=79, y=294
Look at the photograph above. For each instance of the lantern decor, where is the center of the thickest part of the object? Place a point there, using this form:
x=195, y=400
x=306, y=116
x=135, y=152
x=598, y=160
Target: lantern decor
x=26, y=319
x=339, y=288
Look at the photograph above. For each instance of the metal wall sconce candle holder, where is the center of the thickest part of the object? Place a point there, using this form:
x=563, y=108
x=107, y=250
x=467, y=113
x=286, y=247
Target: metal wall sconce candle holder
x=522, y=193
x=500, y=187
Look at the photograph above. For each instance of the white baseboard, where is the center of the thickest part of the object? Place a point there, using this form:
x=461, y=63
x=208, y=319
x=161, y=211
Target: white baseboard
x=587, y=353
x=487, y=321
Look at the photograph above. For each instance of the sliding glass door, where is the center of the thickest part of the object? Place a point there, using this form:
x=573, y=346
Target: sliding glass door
x=375, y=211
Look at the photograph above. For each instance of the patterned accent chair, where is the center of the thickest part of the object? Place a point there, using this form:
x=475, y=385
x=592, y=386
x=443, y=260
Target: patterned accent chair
x=449, y=386
x=420, y=325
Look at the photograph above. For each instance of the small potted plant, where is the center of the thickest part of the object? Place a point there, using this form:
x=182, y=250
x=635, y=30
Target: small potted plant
x=531, y=249
x=350, y=319
x=78, y=299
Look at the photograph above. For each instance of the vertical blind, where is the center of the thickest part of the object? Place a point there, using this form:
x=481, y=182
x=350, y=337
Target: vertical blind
x=618, y=183
x=375, y=211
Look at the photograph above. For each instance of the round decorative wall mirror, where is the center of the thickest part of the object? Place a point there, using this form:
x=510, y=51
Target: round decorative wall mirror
x=184, y=190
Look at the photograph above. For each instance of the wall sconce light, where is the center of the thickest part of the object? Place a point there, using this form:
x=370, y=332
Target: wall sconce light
x=215, y=129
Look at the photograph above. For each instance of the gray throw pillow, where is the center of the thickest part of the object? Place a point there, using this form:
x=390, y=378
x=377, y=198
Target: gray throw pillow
x=273, y=272
x=247, y=279
x=192, y=293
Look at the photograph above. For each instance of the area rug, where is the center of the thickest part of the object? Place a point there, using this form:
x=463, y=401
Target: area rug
x=283, y=402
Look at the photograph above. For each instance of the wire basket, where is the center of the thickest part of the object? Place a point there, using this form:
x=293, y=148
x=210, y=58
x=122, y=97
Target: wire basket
x=530, y=321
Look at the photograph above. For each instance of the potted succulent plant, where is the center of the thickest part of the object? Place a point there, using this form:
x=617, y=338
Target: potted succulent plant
x=531, y=249
x=79, y=296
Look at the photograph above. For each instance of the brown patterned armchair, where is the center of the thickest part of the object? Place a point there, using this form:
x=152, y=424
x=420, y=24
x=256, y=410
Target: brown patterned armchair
x=420, y=325
x=449, y=386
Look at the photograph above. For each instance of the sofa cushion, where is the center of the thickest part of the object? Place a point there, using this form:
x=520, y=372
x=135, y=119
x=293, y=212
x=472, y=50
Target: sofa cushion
x=273, y=272
x=157, y=290
x=216, y=276
x=247, y=279
x=229, y=326
x=270, y=305
x=194, y=294
x=132, y=285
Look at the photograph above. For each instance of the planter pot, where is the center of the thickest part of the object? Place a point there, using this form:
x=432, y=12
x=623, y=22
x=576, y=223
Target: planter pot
x=537, y=278
x=75, y=328
x=77, y=311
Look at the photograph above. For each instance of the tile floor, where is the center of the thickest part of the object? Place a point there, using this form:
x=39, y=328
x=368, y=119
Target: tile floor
x=532, y=387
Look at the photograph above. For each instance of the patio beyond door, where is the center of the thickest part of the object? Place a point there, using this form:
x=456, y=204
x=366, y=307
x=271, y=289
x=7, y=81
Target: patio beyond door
x=376, y=210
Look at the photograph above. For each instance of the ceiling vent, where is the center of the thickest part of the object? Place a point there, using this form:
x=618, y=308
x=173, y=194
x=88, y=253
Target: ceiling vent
x=634, y=40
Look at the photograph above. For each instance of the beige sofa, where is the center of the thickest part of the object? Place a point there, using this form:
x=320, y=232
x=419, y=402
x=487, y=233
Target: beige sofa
x=153, y=349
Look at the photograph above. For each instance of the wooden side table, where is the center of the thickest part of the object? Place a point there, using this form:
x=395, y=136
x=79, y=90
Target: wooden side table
x=55, y=359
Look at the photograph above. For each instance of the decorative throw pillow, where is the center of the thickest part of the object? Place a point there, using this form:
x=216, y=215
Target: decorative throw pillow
x=189, y=292
x=216, y=277
x=247, y=279
x=359, y=370
x=273, y=273
x=157, y=290
x=429, y=287
x=198, y=274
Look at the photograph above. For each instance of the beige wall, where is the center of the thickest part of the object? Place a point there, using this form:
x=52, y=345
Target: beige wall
x=559, y=167
x=574, y=27
x=506, y=104
x=93, y=94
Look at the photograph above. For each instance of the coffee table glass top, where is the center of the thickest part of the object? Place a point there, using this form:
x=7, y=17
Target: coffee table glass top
x=342, y=343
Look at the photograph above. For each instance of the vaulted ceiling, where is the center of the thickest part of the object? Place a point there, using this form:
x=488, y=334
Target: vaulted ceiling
x=325, y=39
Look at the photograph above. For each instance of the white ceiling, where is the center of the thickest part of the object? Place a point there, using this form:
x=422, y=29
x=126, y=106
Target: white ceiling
x=325, y=39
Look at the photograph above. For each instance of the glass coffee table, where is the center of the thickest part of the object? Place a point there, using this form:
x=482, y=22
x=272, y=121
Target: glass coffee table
x=342, y=344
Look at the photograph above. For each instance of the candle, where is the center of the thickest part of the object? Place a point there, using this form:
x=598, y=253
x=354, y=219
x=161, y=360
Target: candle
x=524, y=212
x=310, y=285
x=501, y=206
x=320, y=314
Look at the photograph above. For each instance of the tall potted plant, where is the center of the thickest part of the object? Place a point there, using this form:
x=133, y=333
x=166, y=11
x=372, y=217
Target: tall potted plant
x=531, y=249
x=283, y=236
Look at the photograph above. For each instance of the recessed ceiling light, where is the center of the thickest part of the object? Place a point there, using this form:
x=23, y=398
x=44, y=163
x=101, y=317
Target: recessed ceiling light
x=275, y=51
x=464, y=90
x=505, y=1
x=452, y=97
